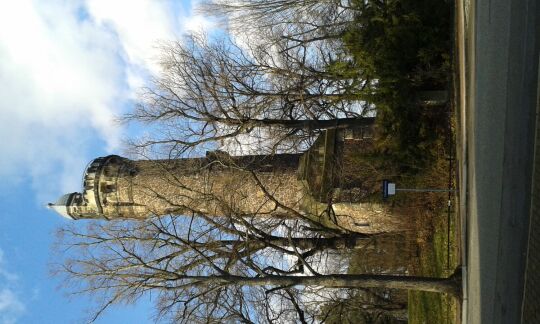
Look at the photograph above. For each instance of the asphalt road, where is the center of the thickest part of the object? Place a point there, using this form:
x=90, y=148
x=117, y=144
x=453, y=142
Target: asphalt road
x=501, y=39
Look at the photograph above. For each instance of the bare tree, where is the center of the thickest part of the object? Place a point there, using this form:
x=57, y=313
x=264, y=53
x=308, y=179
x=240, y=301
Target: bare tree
x=214, y=91
x=202, y=272
x=237, y=265
x=294, y=21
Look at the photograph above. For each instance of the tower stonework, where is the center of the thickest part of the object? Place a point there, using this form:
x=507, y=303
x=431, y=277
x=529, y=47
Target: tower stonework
x=218, y=184
x=281, y=185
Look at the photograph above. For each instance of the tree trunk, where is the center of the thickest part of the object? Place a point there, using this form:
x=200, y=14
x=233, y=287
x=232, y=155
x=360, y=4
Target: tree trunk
x=450, y=285
x=311, y=124
x=306, y=124
x=338, y=242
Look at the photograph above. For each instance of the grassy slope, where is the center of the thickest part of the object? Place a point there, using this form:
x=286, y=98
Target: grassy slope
x=437, y=238
x=432, y=307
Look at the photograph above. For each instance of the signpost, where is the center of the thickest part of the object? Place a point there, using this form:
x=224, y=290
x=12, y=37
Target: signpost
x=389, y=189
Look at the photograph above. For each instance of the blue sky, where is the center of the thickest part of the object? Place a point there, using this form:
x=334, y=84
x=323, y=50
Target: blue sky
x=67, y=68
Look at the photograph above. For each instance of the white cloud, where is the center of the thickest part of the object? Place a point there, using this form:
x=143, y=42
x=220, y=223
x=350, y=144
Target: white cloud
x=198, y=24
x=144, y=26
x=60, y=83
x=11, y=306
x=5, y=275
x=67, y=68
x=139, y=25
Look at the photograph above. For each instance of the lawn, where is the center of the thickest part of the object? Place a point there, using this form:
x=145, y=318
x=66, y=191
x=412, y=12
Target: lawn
x=435, y=261
x=434, y=255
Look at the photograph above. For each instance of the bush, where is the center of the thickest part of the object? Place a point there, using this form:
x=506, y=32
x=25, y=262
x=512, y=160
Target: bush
x=403, y=47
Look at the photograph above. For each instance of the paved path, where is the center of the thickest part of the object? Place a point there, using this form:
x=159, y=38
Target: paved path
x=501, y=41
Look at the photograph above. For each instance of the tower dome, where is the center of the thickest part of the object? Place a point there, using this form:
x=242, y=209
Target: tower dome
x=99, y=198
x=63, y=204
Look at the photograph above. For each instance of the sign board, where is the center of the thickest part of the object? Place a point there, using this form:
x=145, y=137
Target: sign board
x=389, y=189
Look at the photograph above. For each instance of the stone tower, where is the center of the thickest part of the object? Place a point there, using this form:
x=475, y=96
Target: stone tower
x=218, y=184
x=280, y=185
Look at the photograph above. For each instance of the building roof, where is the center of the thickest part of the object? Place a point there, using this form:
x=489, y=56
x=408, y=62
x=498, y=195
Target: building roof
x=61, y=205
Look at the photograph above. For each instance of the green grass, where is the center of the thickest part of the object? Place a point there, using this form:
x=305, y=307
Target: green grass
x=434, y=307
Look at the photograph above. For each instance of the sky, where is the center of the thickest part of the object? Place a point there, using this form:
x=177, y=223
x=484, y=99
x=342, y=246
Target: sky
x=68, y=69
